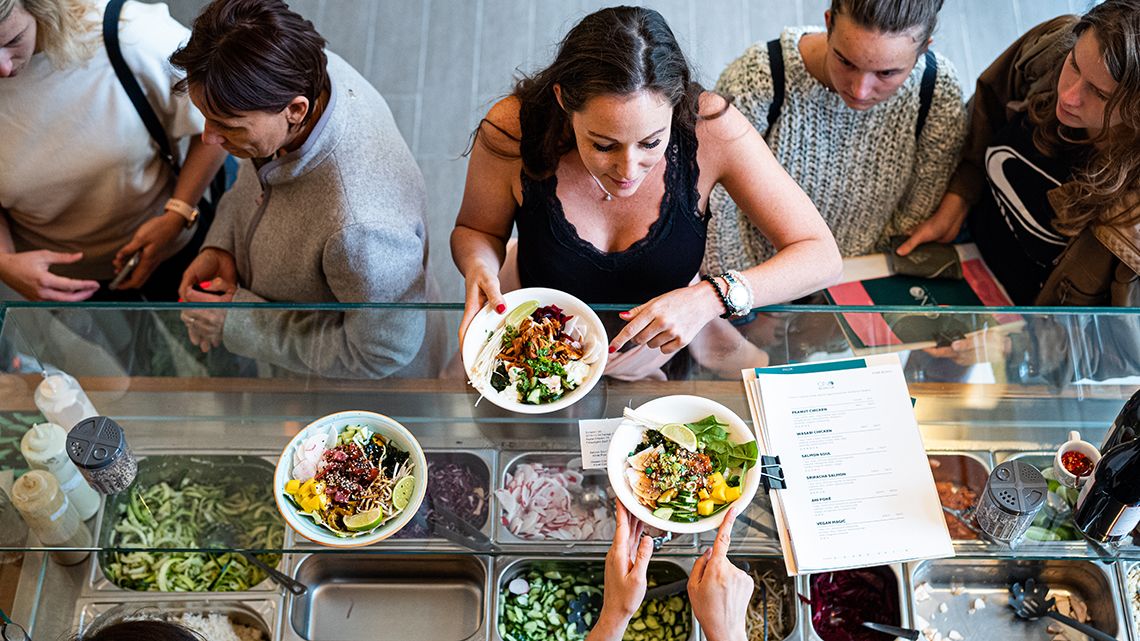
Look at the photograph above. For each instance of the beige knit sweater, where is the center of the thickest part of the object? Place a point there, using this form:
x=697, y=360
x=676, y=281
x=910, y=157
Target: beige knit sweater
x=864, y=170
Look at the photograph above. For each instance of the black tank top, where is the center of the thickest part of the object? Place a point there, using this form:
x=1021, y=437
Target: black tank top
x=551, y=254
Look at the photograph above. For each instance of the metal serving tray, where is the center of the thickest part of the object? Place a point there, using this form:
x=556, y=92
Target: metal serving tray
x=904, y=599
x=971, y=469
x=510, y=542
x=198, y=467
x=508, y=568
x=989, y=580
x=390, y=597
x=792, y=605
x=93, y=614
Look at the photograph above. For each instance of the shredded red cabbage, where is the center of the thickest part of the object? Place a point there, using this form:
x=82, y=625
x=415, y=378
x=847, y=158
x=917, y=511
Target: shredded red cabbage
x=460, y=487
x=841, y=601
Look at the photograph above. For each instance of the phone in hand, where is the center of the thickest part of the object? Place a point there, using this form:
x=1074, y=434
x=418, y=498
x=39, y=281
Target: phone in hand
x=198, y=287
x=125, y=272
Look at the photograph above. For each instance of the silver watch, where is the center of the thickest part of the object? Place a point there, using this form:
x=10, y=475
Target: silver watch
x=738, y=295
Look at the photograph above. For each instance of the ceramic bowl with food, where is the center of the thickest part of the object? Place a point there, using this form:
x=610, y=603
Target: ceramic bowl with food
x=350, y=479
x=679, y=463
x=543, y=354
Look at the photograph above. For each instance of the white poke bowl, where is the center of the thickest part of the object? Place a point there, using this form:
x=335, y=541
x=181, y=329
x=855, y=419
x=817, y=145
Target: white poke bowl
x=676, y=409
x=488, y=320
x=378, y=424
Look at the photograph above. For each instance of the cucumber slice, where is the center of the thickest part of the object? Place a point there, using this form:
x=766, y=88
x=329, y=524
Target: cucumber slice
x=664, y=513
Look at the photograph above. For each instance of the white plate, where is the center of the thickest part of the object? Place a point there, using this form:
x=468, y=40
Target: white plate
x=488, y=320
x=676, y=409
x=379, y=424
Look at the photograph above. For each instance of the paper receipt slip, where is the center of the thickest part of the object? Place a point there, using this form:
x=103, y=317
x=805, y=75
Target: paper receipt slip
x=859, y=488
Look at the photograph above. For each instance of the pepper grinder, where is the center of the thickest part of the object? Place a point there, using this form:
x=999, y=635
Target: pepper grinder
x=1013, y=496
x=98, y=447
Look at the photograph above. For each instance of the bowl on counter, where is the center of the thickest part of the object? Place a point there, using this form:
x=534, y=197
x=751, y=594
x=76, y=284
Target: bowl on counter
x=379, y=424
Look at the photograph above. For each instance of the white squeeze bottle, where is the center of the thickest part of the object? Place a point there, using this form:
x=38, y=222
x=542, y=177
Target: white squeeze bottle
x=62, y=401
x=44, y=447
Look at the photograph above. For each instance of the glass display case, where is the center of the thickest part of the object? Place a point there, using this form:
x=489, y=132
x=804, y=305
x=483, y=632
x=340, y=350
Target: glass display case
x=209, y=396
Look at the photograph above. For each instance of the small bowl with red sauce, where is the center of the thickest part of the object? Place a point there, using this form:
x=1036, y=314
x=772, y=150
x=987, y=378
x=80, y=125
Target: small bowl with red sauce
x=1075, y=461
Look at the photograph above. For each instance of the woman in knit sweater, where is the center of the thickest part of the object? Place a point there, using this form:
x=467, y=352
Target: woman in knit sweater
x=851, y=127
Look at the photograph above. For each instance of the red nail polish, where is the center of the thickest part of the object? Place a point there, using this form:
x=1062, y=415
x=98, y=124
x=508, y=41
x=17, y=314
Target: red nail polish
x=182, y=300
x=500, y=308
x=612, y=349
x=204, y=284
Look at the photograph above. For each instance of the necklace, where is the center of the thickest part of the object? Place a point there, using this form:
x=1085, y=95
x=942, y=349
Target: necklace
x=608, y=195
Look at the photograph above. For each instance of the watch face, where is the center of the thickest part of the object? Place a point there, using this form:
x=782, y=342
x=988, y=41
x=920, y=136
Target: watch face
x=737, y=296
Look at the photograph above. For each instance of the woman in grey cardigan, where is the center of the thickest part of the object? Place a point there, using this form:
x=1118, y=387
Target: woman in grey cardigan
x=328, y=208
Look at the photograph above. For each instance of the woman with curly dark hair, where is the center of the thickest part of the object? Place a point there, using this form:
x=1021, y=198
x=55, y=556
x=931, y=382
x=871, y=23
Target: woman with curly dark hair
x=605, y=161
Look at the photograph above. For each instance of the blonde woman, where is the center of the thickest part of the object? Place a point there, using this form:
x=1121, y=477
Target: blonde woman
x=83, y=187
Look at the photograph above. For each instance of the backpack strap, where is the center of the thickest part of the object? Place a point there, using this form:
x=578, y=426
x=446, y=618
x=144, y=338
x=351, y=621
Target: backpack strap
x=926, y=91
x=776, y=65
x=131, y=84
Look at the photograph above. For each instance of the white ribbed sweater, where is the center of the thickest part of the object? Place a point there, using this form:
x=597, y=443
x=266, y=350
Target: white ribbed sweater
x=864, y=170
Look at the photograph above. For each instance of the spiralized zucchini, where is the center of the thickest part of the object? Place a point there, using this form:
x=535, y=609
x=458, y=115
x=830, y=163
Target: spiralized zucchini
x=164, y=516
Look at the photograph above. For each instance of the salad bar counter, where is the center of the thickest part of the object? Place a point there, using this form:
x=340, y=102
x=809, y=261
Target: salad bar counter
x=486, y=524
x=515, y=572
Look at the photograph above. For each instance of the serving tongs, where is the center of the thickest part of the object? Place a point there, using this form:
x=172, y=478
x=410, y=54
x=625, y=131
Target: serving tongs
x=449, y=525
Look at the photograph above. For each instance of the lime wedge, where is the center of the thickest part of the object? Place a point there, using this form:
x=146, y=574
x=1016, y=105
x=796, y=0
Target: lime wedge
x=402, y=492
x=681, y=435
x=365, y=520
x=518, y=314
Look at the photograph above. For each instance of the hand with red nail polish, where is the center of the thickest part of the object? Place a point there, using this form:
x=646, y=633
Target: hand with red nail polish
x=482, y=287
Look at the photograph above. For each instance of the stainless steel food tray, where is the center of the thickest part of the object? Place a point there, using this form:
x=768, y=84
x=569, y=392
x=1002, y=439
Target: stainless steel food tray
x=382, y=597
x=989, y=580
x=98, y=583
x=507, y=568
x=261, y=613
x=804, y=614
x=511, y=543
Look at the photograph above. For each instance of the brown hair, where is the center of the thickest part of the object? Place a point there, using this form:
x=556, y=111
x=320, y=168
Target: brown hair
x=614, y=51
x=253, y=55
x=892, y=16
x=1114, y=165
x=142, y=630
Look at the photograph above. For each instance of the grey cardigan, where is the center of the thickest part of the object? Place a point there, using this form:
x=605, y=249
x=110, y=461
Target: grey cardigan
x=340, y=220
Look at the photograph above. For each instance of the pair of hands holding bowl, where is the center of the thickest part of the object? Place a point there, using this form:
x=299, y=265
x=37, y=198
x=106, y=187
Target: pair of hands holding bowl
x=719, y=592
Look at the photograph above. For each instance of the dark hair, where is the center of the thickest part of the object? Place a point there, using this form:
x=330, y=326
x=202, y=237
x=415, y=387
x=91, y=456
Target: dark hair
x=252, y=55
x=142, y=630
x=892, y=16
x=614, y=51
x=1114, y=167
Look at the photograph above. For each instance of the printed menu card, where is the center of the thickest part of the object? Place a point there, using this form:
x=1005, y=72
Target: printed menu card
x=859, y=488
